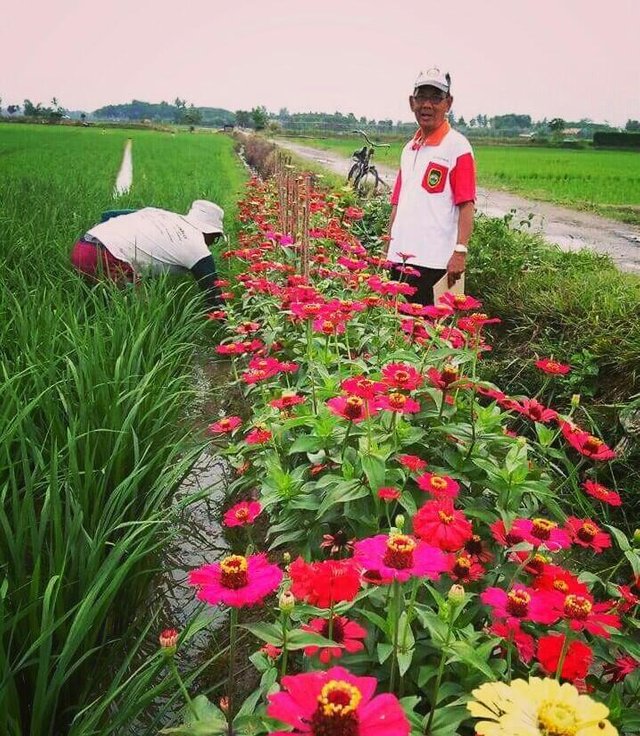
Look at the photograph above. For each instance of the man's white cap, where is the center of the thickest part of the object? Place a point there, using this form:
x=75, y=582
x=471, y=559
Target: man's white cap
x=206, y=216
x=433, y=77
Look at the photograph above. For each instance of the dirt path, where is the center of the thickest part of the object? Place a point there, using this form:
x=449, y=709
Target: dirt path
x=570, y=229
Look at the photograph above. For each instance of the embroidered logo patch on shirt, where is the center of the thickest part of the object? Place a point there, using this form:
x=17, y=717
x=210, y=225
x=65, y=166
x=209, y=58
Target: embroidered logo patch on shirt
x=435, y=178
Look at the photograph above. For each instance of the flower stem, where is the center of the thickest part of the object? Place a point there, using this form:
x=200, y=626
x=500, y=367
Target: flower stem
x=233, y=626
x=563, y=654
x=397, y=605
x=443, y=659
x=285, y=649
x=182, y=687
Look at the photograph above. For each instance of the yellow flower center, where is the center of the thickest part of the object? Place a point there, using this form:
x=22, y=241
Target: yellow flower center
x=353, y=407
x=592, y=444
x=542, y=528
x=438, y=483
x=561, y=586
x=234, y=572
x=399, y=552
x=242, y=514
x=577, y=607
x=587, y=532
x=518, y=603
x=557, y=719
x=445, y=518
x=336, y=714
x=397, y=401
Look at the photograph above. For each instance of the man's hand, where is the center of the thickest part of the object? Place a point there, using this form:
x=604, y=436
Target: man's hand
x=455, y=268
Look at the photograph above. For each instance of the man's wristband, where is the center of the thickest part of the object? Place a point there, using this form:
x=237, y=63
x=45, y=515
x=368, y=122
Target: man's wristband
x=460, y=248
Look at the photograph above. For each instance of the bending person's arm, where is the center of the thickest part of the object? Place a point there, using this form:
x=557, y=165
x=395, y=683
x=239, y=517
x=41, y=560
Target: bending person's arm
x=205, y=274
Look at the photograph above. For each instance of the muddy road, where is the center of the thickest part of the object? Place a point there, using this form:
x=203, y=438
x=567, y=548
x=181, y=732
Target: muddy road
x=570, y=229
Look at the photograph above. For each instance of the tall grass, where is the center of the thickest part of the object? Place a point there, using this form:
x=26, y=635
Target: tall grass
x=95, y=386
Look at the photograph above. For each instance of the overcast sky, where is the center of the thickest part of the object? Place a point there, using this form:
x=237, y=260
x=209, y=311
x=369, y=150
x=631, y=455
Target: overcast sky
x=549, y=58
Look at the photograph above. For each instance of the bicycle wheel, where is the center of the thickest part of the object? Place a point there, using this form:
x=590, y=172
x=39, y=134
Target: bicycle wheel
x=367, y=184
x=353, y=173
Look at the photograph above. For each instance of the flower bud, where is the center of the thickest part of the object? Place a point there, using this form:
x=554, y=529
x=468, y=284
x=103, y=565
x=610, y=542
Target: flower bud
x=575, y=400
x=286, y=558
x=636, y=538
x=287, y=602
x=168, y=640
x=399, y=521
x=224, y=703
x=456, y=595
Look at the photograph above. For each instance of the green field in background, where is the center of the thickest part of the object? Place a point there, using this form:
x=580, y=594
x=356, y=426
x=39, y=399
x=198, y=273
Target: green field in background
x=606, y=182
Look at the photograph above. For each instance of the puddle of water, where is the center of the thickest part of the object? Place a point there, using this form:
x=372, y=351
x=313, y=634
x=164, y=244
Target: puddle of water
x=125, y=175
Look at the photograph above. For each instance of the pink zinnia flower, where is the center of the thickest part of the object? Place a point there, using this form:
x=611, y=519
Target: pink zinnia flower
x=242, y=513
x=363, y=387
x=236, y=581
x=352, y=408
x=224, y=425
x=519, y=604
x=581, y=612
x=444, y=378
x=398, y=403
x=440, y=524
x=402, y=376
x=399, y=557
x=336, y=703
x=587, y=533
x=348, y=635
x=601, y=493
x=286, y=401
x=460, y=301
x=542, y=532
x=439, y=485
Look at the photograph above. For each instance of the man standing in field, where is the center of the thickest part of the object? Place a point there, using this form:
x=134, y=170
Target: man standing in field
x=433, y=197
x=155, y=241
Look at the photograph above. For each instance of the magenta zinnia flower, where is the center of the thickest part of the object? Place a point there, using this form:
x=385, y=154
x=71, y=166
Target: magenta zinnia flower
x=398, y=403
x=236, y=581
x=519, y=604
x=541, y=532
x=242, y=513
x=337, y=703
x=402, y=376
x=224, y=425
x=399, y=557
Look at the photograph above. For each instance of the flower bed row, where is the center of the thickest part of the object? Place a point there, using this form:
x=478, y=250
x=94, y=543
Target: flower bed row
x=436, y=538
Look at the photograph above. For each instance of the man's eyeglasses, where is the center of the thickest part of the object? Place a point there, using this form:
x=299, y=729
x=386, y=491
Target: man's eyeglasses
x=433, y=99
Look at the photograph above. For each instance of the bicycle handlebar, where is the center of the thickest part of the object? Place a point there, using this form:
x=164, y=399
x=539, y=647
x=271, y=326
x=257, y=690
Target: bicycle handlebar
x=370, y=142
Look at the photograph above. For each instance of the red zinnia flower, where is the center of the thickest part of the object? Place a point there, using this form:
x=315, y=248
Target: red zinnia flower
x=336, y=703
x=623, y=666
x=503, y=537
x=354, y=213
x=440, y=524
x=542, y=532
x=325, y=583
x=286, y=401
x=402, y=376
x=525, y=643
x=463, y=568
x=224, y=425
x=439, y=485
x=344, y=632
x=389, y=493
x=556, y=578
x=444, y=378
x=586, y=444
x=242, y=513
x=236, y=581
x=577, y=660
x=552, y=367
x=587, y=533
x=601, y=493
x=581, y=612
x=412, y=462
x=399, y=557
x=258, y=436
x=352, y=408
x=460, y=301
x=535, y=410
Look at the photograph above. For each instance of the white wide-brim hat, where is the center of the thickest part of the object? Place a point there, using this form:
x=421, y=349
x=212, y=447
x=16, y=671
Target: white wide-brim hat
x=206, y=216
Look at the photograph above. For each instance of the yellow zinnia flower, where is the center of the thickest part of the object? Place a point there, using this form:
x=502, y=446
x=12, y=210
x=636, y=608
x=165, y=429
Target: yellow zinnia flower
x=539, y=707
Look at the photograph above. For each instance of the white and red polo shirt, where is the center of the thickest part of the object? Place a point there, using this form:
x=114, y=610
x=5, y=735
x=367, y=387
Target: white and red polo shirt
x=437, y=174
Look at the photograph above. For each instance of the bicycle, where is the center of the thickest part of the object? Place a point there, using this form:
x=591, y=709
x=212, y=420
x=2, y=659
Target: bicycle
x=363, y=175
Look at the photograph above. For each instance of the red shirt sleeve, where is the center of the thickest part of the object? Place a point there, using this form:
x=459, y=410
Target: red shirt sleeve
x=463, y=179
x=395, y=195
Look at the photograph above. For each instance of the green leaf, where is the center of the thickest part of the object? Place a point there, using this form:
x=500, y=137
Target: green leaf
x=271, y=633
x=203, y=719
x=634, y=561
x=306, y=443
x=299, y=639
x=464, y=652
x=341, y=493
x=375, y=469
x=621, y=539
x=404, y=660
x=436, y=626
x=384, y=650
